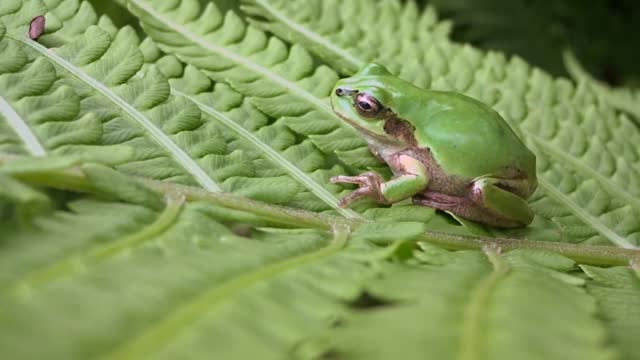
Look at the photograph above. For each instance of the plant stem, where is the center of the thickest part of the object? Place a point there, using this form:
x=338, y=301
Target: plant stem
x=583, y=254
x=73, y=179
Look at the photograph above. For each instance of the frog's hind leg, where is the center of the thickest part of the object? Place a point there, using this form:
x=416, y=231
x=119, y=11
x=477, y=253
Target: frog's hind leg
x=461, y=206
x=489, y=201
x=505, y=199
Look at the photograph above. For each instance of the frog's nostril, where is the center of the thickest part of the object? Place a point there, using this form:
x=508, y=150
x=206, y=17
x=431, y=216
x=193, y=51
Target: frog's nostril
x=345, y=92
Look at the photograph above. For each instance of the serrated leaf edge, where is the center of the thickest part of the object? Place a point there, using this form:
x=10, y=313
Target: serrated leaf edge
x=588, y=219
x=180, y=156
x=274, y=156
x=292, y=87
x=607, y=184
x=158, y=334
x=77, y=262
x=294, y=26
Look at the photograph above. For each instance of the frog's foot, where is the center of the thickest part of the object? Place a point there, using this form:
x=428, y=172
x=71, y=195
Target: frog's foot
x=369, y=183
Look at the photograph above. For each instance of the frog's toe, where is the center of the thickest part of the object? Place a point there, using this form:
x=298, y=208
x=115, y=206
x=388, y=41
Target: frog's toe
x=342, y=179
x=368, y=178
x=354, y=195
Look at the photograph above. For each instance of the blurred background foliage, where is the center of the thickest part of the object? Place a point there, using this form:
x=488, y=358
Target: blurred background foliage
x=604, y=35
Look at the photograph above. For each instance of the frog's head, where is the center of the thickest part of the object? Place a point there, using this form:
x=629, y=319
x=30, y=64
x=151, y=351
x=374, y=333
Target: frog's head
x=365, y=101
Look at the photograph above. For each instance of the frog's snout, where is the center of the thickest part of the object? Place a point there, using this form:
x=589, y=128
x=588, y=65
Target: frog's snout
x=344, y=92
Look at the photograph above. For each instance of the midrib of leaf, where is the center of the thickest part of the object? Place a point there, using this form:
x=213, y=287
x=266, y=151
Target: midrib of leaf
x=274, y=156
x=313, y=36
x=21, y=129
x=473, y=332
x=587, y=218
x=75, y=263
x=553, y=191
x=69, y=177
x=608, y=185
x=161, y=138
x=155, y=337
x=224, y=52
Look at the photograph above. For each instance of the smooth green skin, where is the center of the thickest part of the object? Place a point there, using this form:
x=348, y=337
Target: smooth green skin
x=467, y=139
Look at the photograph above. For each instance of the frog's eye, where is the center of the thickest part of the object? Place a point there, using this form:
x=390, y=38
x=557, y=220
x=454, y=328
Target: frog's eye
x=367, y=105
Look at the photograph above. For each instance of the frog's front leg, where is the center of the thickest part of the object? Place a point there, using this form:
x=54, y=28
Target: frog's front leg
x=411, y=178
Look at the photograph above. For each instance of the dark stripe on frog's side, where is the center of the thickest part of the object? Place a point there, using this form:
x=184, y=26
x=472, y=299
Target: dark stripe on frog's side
x=438, y=179
x=399, y=128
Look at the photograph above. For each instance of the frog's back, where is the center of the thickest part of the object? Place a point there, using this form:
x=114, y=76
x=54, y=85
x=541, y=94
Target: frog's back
x=468, y=138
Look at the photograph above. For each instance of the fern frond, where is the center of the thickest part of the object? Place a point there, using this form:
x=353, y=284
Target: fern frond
x=469, y=305
x=42, y=114
x=551, y=115
x=617, y=291
x=27, y=202
x=269, y=152
x=315, y=292
x=99, y=222
x=345, y=34
x=145, y=262
x=141, y=97
x=233, y=168
x=12, y=122
x=74, y=16
x=248, y=130
x=202, y=284
x=282, y=83
x=625, y=99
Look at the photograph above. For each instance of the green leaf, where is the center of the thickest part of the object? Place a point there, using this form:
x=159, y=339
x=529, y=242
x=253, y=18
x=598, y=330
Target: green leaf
x=231, y=166
x=28, y=201
x=472, y=307
x=625, y=99
x=74, y=17
x=179, y=282
x=383, y=231
x=268, y=267
x=115, y=184
x=42, y=116
x=341, y=33
x=617, y=291
x=283, y=83
x=585, y=186
x=88, y=60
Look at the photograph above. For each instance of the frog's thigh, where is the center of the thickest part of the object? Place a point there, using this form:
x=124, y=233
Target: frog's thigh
x=504, y=204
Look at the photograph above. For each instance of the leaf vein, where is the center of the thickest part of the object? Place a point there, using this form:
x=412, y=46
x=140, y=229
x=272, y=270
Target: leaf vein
x=589, y=219
x=159, y=334
x=180, y=156
x=276, y=157
x=473, y=333
x=21, y=128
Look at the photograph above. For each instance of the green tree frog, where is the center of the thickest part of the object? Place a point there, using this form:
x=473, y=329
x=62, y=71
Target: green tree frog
x=446, y=150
